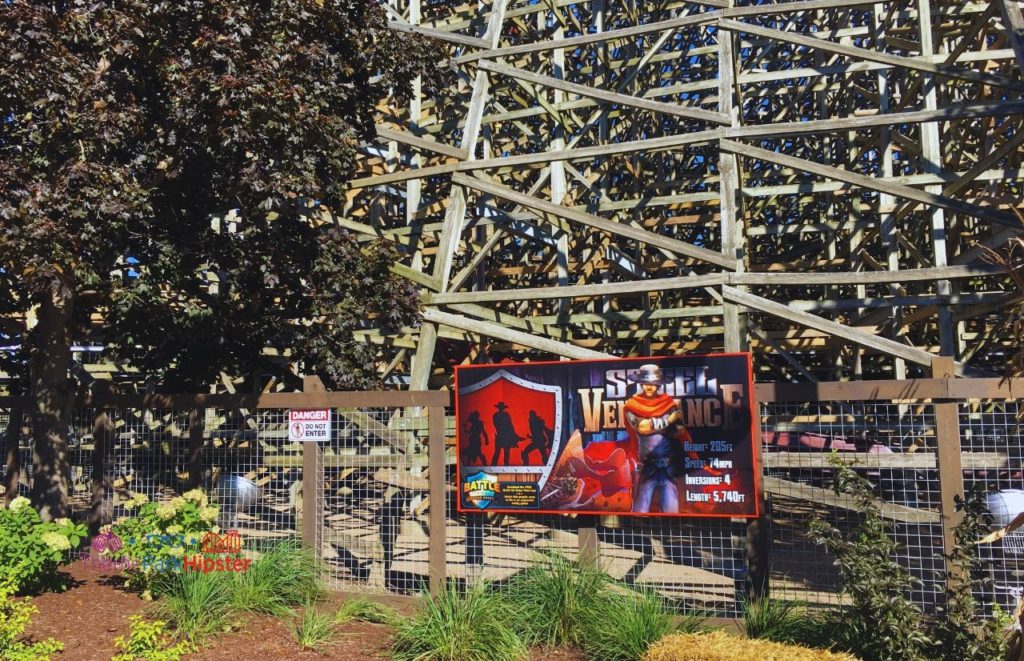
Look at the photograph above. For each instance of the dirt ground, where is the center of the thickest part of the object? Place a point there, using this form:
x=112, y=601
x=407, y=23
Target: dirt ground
x=95, y=610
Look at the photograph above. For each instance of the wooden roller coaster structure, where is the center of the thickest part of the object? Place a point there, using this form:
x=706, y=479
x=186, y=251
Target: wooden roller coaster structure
x=817, y=181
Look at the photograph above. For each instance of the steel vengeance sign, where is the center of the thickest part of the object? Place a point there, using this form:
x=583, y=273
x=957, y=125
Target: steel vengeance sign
x=670, y=436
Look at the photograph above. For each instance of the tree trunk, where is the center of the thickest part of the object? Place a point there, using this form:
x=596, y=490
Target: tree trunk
x=49, y=359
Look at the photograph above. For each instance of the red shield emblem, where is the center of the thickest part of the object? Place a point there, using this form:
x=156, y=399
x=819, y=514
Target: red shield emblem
x=510, y=425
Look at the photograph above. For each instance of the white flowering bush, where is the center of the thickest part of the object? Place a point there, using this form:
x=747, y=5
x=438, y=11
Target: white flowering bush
x=158, y=535
x=31, y=550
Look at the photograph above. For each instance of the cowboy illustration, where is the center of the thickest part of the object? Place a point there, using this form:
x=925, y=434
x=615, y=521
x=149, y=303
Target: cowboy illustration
x=540, y=439
x=505, y=435
x=652, y=420
x=475, y=435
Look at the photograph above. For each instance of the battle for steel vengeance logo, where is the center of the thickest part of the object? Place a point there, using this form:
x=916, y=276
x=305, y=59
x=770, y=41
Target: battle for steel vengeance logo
x=480, y=488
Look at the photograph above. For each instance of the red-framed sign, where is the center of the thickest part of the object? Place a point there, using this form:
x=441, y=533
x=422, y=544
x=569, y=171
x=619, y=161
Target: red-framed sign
x=664, y=436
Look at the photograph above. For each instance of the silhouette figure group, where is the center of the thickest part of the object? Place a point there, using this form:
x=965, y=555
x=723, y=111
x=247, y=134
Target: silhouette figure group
x=505, y=438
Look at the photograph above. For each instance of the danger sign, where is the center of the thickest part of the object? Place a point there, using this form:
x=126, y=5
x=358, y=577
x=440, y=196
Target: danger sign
x=309, y=425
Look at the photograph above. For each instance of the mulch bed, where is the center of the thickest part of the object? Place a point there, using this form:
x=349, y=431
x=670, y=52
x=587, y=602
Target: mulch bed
x=88, y=616
x=95, y=610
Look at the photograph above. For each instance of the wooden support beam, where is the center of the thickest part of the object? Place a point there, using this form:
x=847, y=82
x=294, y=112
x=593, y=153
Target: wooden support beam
x=497, y=331
x=872, y=56
x=443, y=35
x=575, y=291
x=620, y=229
x=788, y=489
x=1014, y=23
x=860, y=337
x=606, y=96
x=872, y=183
x=584, y=40
x=951, y=475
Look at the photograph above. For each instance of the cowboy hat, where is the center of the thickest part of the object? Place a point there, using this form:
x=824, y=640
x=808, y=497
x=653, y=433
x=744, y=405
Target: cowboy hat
x=649, y=374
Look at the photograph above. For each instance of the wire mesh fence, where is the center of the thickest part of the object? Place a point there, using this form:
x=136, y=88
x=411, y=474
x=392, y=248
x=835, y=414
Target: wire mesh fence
x=371, y=504
x=893, y=446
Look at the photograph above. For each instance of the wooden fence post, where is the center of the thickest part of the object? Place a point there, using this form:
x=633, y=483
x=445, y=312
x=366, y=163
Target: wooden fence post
x=312, y=483
x=102, y=433
x=759, y=539
x=13, y=448
x=589, y=545
x=951, y=475
x=196, y=423
x=437, y=472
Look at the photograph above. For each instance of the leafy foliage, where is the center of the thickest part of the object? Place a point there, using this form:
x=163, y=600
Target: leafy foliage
x=882, y=623
x=15, y=615
x=129, y=125
x=30, y=549
x=959, y=633
x=148, y=641
x=159, y=535
x=456, y=626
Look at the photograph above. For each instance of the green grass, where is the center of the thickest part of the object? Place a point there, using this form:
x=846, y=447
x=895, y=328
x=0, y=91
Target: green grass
x=200, y=604
x=360, y=609
x=555, y=599
x=455, y=626
x=197, y=604
x=784, y=621
x=315, y=629
x=284, y=576
x=621, y=624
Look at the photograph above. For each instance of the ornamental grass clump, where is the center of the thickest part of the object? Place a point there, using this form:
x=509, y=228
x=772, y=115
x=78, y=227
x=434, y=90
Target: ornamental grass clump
x=159, y=535
x=456, y=626
x=622, y=624
x=557, y=598
x=31, y=550
x=283, y=576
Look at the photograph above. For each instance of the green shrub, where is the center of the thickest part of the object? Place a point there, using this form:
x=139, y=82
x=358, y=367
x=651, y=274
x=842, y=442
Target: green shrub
x=147, y=640
x=285, y=575
x=882, y=623
x=315, y=629
x=30, y=549
x=622, y=624
x=196, y=603
x=960, y=635
x=720, y=646
x=145, y=535
x=361, y=609
x=15, y=615
x=556, y=598
x=453, y=626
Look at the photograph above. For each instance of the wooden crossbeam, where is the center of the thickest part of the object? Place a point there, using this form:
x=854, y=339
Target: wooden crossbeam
x=606, y=96
x=860, y=337
x=871, y=55
x=583, y=40
x=619, y=229
x=500, y=332
x=872, y=183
